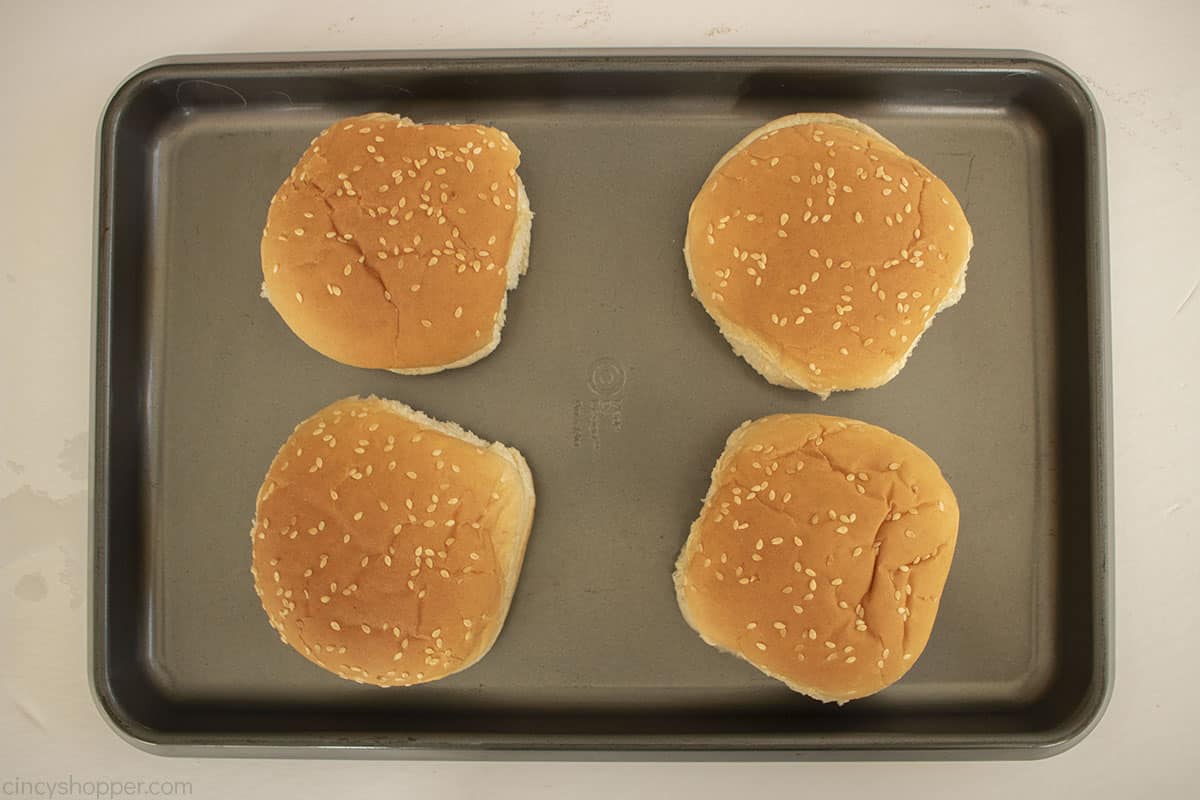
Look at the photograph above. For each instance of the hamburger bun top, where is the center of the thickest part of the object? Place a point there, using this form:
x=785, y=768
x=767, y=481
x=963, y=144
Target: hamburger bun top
x=387, y=545
x=392, y=245
x=823, y=252
x=820, y=553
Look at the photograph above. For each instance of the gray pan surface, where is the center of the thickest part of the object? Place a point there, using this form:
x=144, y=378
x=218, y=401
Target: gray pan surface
x=618, y=389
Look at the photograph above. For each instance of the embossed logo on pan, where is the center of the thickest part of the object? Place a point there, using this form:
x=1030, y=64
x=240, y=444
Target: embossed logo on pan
x=606, y=382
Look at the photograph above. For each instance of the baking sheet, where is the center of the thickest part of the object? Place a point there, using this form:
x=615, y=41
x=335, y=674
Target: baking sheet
x=620, y=392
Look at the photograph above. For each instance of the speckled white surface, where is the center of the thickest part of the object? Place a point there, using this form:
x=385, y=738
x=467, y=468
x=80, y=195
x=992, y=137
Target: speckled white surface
x=1140, y=61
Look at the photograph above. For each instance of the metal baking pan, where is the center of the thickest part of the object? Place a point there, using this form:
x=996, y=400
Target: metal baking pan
x=620, y=392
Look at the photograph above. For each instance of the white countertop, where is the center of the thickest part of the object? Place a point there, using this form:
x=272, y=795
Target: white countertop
x=1141, y=62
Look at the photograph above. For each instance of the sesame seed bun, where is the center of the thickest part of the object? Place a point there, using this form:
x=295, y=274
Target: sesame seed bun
x=393, y=245
x=823, y=252
x=820, y=553
x=387, y=545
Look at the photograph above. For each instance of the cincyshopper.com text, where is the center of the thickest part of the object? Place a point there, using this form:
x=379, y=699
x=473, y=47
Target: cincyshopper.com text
x=92, y=788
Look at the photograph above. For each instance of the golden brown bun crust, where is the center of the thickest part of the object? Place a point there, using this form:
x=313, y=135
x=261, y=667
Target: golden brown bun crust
x=823, y=252
x=387, y=545
x=820, y=553
x=388, y=245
